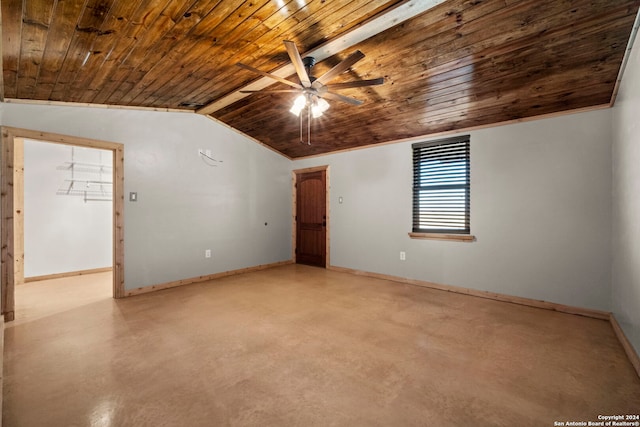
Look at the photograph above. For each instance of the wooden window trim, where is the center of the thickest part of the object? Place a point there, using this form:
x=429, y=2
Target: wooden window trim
x=468, y=238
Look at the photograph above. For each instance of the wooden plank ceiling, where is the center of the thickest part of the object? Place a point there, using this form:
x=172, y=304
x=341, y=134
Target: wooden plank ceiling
x=461, y=64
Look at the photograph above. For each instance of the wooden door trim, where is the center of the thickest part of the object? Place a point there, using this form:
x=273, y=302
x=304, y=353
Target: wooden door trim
x=12, y=198
x=294, y=206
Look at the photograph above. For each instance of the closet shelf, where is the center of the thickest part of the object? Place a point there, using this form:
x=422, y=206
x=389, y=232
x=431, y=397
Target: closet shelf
x=87, y=180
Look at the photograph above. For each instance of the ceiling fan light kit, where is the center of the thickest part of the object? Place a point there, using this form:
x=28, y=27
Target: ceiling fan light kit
x=317, y=105
x=314, y=92
x=298, y=105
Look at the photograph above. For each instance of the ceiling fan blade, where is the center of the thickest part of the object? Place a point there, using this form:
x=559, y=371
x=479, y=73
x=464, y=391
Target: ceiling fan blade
x=357, y=83
x=270, y=91
x=340, y=68
x=296, y=60
x=342, y=98
x=272, y=76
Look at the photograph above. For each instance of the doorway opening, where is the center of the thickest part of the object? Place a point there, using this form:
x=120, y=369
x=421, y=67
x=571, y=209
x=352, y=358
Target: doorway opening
x=13, y=204
x=310, y=240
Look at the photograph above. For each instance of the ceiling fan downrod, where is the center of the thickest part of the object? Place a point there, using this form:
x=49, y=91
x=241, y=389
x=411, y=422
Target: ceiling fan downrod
x=309, y=62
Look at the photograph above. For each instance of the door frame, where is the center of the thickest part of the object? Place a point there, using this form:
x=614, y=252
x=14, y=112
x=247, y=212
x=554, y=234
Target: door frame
x=12, y=208
x=294, y=192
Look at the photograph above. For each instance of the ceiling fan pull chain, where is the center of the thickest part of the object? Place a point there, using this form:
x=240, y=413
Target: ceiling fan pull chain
x=309, y=125
x=301, y=141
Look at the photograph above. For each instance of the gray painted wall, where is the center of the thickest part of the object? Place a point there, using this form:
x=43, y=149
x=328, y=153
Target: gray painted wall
x=540, y=210
x=185, y=206
x=626, y=201
x=63, y=233
x=541, y=203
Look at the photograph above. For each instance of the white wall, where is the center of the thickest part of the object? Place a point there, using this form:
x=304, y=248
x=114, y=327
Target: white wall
x=63, y=233
x=626, y=201
x=540, y=210
x=185, y=206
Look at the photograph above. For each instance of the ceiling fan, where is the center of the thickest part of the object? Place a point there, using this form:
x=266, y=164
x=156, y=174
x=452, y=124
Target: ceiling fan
x=314, y=91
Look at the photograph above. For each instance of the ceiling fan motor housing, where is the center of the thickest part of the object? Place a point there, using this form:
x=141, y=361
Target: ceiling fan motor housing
x=309, y=62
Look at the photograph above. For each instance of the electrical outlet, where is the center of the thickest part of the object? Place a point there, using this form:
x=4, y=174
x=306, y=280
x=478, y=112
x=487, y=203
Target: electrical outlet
x=403, y=256
x=207, y=253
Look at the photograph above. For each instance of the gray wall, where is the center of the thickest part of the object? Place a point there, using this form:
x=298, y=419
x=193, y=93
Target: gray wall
x=63, y=233
x=541, y=203
x=626, y=201
x=185, y=206
x=540, y=210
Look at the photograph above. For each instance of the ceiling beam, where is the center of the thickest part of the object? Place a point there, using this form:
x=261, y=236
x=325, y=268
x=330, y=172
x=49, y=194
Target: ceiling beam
x=402, y=12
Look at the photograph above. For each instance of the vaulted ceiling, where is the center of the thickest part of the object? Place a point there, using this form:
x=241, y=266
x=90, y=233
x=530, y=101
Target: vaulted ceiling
x=447, y=65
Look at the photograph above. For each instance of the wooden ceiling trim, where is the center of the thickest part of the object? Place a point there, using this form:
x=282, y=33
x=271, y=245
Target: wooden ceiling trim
x=297, y=150
x=462, y=107
x=426, y=137
x=395, y=16
x=515, y=109
x=135, y=45
x=483, y=106
x=623, y=66
x=89, y=105
x=208, y=86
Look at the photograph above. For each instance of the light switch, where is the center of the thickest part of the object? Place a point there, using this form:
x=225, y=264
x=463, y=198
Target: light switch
x=133, y=196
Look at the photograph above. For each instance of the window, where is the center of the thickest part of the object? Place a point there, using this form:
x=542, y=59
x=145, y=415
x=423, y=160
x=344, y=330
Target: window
x=441, y=186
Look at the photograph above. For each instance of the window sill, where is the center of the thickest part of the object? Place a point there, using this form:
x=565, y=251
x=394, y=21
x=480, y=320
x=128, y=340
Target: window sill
x=441, y=236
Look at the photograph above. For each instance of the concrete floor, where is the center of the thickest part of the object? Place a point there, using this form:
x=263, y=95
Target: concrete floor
x=298, y=345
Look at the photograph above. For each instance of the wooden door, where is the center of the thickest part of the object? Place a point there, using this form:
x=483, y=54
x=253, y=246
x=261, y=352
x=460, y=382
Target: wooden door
x=311, y=218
